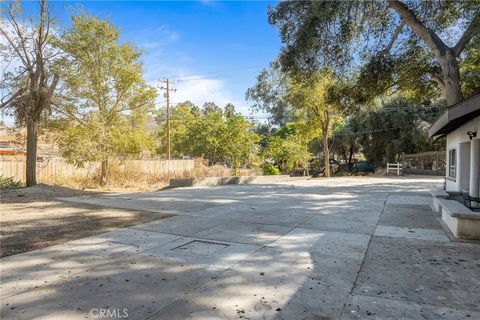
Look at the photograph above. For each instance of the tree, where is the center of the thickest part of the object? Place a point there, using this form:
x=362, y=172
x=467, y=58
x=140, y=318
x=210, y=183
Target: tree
x=206, y=136
x=238, y=139
x=346, y=140
x=106, y=97
x=229, y=110
x=470, y=72
x=220, y=136
x=329, y=33
x=288, y=146
x=182, y=116
x=269, y=94
x=211, y=107
x=318, y=99
x=396, y=126
x=30, y=87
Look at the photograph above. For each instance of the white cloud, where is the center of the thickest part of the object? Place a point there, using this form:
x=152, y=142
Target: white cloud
x=198, y=90
x=166, y=33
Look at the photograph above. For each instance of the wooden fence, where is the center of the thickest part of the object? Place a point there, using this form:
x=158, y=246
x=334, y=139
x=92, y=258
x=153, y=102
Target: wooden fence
x=429, y=163
x=57, y=167
x=395, y=167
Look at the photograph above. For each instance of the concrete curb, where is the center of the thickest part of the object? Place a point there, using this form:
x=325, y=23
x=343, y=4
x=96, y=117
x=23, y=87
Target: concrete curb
x=217, y=181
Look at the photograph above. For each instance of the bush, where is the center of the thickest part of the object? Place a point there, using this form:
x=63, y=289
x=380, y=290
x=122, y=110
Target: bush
x=270, y=169
x=9, y=183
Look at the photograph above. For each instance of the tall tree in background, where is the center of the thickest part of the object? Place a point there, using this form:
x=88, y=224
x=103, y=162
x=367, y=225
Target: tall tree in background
x=288, y=146
x=106, y=96
x=31, y=86
x=269, y=95
x=317, y=99
x=325, y=33
x=239, y=139
x=211, y=107
x=346, y=140
x=182, y=116
x=397, y=126
x=219, y=135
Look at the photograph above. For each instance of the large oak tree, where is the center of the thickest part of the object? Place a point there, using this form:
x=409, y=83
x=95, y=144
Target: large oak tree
x=379, y=35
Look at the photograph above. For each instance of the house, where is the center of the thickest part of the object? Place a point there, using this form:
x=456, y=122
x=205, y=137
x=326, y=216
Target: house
x=460, y=124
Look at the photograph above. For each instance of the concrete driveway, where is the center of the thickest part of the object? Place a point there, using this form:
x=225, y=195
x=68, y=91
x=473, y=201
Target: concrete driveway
x=343, y=248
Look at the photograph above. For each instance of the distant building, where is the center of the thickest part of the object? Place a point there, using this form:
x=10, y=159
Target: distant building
x=8, y=147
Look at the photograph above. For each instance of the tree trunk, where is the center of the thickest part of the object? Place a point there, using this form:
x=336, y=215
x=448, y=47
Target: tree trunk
x=446, y=56
x=326, y=153
x=350, y=156
x=451, y=78
x=104, y=177
x=235, y=167
x=31, y=165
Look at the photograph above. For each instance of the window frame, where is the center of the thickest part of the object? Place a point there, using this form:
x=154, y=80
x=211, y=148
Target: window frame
x=452, y=167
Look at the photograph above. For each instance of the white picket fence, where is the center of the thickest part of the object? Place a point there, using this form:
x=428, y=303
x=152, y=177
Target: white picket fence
x=57, y=167
x=395, y=167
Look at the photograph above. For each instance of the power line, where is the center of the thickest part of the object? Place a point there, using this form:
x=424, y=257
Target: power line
x=167, y=90
x=213, y=72
x=392, y=109
x=367, y=132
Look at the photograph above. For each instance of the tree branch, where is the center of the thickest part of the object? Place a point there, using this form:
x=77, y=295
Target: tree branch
x=22, y=38
x=472, y=30
x=52, y=87
x=3, y=104
x=426, y=34
x=15, y=47
x=68, y=114
x=394, y=38
x=438, y=80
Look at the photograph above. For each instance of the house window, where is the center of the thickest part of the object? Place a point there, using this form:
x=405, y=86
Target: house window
x=452, y=163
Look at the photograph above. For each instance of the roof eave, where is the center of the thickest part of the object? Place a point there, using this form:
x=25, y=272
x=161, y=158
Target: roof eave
x=455, y=116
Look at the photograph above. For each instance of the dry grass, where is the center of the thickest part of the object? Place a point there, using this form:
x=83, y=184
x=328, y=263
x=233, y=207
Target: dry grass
x=125, y=178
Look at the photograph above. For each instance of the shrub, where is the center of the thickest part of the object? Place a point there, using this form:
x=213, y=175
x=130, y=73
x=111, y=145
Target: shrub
x=9, y=183
x=270, y=169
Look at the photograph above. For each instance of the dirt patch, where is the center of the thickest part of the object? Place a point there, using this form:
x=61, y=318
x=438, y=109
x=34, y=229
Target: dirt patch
x=40, y=192
x=31, y=225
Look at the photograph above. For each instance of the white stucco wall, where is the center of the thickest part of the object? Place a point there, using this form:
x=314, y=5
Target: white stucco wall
x=454, y=139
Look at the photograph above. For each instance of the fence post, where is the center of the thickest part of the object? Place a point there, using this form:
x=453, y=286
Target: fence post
x=398, y=168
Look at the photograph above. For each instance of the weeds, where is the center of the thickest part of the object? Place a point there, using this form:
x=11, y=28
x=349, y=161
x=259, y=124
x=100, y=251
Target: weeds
x=132, y=177
x=9, y=183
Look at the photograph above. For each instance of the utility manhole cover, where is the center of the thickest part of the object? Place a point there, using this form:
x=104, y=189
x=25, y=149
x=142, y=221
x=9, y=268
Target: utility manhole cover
x=201, y=247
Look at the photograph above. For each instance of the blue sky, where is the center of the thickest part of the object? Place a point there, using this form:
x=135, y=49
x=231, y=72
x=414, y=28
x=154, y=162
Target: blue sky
x=191, y=41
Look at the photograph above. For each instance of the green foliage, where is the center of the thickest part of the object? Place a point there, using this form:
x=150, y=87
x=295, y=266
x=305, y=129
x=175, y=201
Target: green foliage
x=398, y=126
x=470, y=70
x=269, y=169
x=288, y=147
x=269, y=94
x=106, y=98
x=93, y=141
x=319, y=99
x=345, y=140
x=9, y=183
x=220, y=136
x=350, y=35
x=409, y=71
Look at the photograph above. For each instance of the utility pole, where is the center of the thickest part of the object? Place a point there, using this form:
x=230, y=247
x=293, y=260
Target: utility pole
x=167, y=96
